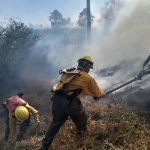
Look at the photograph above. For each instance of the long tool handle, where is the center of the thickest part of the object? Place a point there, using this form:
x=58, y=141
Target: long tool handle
x=130, y=81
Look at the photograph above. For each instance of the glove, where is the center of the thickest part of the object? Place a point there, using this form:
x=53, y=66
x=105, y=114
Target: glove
x=97, y=98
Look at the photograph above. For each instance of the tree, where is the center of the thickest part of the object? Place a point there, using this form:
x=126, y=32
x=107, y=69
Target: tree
x=111, y=9
x=57, y=20
x=15, y=41
x=66, y=22
x=82, y=21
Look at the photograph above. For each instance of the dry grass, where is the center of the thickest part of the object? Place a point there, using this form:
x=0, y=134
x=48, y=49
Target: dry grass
x=110, y=127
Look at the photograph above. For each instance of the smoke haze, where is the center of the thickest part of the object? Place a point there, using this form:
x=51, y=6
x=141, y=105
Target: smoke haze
x=125, y=43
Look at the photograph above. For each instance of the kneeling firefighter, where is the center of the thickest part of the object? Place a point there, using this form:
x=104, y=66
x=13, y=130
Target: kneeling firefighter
x=19, y=113
x=73, y=83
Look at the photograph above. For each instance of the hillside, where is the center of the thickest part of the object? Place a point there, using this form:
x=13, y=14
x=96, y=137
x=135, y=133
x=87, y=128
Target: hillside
x=112, y=126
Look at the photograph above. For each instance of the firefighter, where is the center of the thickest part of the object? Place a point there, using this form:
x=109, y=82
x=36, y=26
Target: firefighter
x=73, y=83
x=19, y=113
x=5, y=116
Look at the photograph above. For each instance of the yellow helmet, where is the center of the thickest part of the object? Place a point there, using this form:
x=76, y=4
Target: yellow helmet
x=21, y=113
x=88, y=59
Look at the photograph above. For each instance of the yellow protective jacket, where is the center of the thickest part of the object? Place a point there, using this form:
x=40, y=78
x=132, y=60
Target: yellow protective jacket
x=34, y=112
x=13, y=120
x=81, y=80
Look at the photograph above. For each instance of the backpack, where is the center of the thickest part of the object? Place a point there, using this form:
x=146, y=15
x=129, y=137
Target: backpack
x=67, y=76
x=14, y=101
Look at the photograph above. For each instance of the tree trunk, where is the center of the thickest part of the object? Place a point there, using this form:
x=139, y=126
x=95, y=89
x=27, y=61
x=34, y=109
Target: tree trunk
x=88, y=21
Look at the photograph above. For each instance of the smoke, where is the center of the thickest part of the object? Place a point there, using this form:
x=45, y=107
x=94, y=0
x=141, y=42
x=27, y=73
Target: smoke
x=56, y=49
x=127, y=41
x=128, y=38
x=121, y=49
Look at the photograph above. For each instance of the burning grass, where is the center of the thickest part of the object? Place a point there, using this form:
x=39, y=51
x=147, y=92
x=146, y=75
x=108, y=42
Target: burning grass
x=110, y=127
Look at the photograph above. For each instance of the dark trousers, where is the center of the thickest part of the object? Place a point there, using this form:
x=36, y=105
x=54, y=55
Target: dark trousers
x=7, y=129
x=62, y=108
x=23, y=129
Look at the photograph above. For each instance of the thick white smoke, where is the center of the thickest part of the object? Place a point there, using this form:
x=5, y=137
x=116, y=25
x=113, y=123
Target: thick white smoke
x=127, y=40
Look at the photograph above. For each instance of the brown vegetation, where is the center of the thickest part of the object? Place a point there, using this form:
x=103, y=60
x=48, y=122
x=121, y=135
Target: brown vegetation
x=110, y=127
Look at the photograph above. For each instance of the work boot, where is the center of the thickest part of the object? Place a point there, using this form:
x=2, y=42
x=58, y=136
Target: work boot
x=43, y=148
x=81, y=134
x=19, y=138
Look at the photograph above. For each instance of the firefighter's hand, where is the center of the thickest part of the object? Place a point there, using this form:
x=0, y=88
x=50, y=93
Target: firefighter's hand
x=98, y=98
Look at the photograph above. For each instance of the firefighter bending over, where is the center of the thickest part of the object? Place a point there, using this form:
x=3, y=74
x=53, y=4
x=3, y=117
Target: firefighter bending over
x=19, y=113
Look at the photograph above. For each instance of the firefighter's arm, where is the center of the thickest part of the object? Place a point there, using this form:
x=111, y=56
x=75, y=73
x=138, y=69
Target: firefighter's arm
x=95, y=90
x=34, y=112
